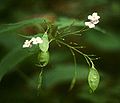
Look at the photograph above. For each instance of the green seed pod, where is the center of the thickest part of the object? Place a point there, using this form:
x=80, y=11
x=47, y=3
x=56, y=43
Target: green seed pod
x=45, y=45
x=93, y=78
x=43, y=58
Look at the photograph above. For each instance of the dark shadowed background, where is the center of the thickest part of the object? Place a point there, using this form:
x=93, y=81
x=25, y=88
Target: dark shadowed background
x=20, y=84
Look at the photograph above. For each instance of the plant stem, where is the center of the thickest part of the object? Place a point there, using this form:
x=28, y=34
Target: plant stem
x=85, y=55
x=40, y=78
x=75, y=72
x=75, y=32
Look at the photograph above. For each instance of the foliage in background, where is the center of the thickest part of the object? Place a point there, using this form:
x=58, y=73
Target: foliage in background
x=18, y=86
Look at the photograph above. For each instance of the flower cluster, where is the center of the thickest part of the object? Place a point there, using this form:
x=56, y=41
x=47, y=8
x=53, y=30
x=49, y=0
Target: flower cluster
x=29, y=43
x=94, y=19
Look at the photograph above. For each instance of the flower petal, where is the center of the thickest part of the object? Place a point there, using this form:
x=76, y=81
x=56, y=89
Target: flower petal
x=26, y=44
x=94, y=14
x=95, y=21
x=89, y=24
x=90, y=17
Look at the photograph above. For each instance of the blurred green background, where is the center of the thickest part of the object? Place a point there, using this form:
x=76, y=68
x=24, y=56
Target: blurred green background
x=20, y=84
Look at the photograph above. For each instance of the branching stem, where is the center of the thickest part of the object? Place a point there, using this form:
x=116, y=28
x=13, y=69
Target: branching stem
x=75, y=32
x=85, y=55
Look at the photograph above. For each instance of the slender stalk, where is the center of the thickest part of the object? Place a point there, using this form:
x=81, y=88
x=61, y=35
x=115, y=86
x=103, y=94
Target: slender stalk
x=68, y=28
x=39, y=27
x=85, y=55
x=70, y=34
x=25, y=36
x=75, y=32
x=75, y=71
x=51, y=40
x=40, y=79
x=58, y=43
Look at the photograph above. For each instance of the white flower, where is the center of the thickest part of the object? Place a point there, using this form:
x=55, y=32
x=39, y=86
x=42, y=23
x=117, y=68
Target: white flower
x=94, y=19
x=90, y=24
x=36, y=40
x=27, y=44
x=33, y=39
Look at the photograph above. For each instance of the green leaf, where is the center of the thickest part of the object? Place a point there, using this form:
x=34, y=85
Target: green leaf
x=108, y=41
x=93, y=78
x=45, y=45
x=14, y=26
x=10, y=42
x=64, y=22
x=13, y=58
x=43, y=58
x=29, y=37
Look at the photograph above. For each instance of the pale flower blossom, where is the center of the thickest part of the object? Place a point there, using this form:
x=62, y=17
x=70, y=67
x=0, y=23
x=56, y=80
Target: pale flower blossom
x=90, y=24
x=32, y=39
x=35, y=41
x=94, y=19
x=27, y=44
